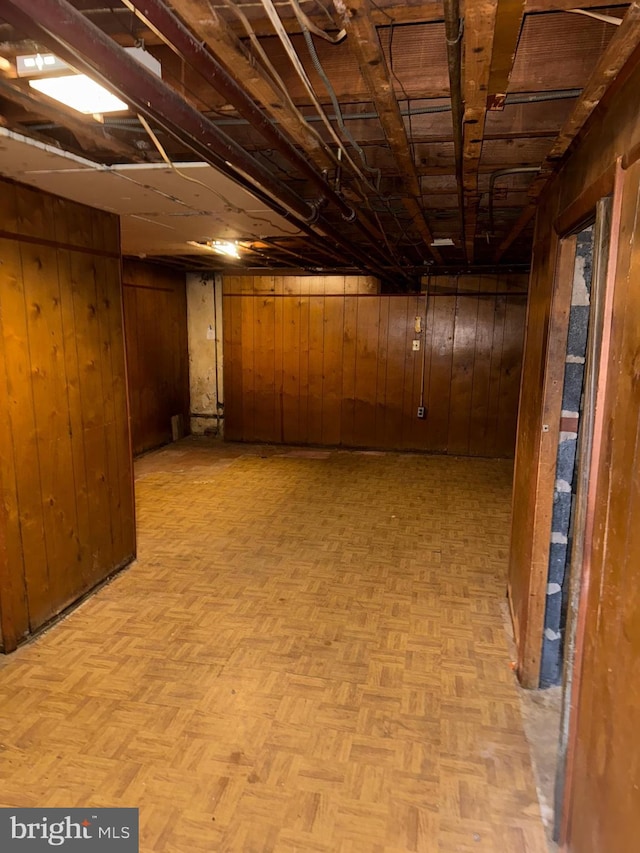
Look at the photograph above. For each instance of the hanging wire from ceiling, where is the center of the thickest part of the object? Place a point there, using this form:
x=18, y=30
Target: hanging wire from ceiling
x=233, y=208
x=305, y=21
x=259, y=51
x=315, y=59
x=290, y=50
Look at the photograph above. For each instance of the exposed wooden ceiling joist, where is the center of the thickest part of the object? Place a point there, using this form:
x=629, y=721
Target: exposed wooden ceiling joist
x=211, y=28
x=453, y=32
x=365, y=44
x=480, y=22
x=508, y=25
x=624, y=42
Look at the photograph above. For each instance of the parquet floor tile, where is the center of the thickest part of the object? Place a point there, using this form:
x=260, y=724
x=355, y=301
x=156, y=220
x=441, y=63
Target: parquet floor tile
x=308, y=655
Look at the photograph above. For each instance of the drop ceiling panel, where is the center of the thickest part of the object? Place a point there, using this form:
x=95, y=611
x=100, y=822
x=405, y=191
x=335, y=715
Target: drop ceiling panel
x=160, y=209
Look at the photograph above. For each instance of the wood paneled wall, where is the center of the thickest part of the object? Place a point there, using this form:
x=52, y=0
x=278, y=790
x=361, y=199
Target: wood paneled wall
x=65, y=457
x=155, y=316
x=311, y=360
x=602, y=804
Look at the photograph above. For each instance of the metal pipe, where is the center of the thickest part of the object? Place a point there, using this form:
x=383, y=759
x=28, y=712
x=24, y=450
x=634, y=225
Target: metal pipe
x=529, y=98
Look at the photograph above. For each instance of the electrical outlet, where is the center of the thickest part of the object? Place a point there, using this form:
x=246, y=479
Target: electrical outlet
x=421, y=411
x=416, y=345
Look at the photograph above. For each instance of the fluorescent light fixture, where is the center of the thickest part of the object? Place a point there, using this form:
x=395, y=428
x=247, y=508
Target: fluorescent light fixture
x=77, y=91
x=80, y=93
x=442, y=241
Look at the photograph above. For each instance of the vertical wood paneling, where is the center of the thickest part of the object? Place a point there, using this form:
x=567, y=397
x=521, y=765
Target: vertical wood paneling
x=23, y=462
x=303, y=315
x=14, y=614
x=278, y=364
x=155, y=312
x=113, y=310
x=65, y=459
x=381, y=381
x=346, y=372
x=604, y=800
x=264, y=365
x=462, y=366
x=395, y=355
x=495, y=375
x=332, y=369
x=444, y=312
x=51, y=408
x=485, y=331
x=412, y=362
x=291, y=388
x=89, y=350
x=349, y=356
x=315, y=374
x=248, y=369
x=366, y=373
x=510, y=368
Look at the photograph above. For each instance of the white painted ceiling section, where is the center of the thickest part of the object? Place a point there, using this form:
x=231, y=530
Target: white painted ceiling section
x=160, y=209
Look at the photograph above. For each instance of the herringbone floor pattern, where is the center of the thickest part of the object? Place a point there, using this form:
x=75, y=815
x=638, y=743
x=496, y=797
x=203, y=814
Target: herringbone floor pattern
x=309, y=655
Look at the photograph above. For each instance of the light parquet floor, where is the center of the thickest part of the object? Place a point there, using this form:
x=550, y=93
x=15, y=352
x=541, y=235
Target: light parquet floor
x=309, y=655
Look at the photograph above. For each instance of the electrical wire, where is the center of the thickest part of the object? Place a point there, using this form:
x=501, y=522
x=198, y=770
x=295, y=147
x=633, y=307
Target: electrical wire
x=229, y=205
x=273, y=16
x=315, y=59
x=260, y=52
x=308, y=23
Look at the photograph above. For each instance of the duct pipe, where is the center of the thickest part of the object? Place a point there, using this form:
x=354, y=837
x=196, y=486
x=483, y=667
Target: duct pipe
x=98, y=55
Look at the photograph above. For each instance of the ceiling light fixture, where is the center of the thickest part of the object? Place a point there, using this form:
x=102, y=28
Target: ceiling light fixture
x=225, y=247
x=220, y=247
x=80, y=93
x=442, y=241
x=74, y=90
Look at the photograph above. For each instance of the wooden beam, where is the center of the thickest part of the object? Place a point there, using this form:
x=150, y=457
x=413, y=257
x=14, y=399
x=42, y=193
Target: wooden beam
x=508, y=26
x=480, y=22
x=365, y=45
x=624, y=42
x=453, y=34
x=426, y=12
x=88, y=131
x=204, y=20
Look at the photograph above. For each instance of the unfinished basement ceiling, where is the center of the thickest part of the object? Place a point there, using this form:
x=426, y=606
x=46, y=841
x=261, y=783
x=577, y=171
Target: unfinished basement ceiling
x=336, y=120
